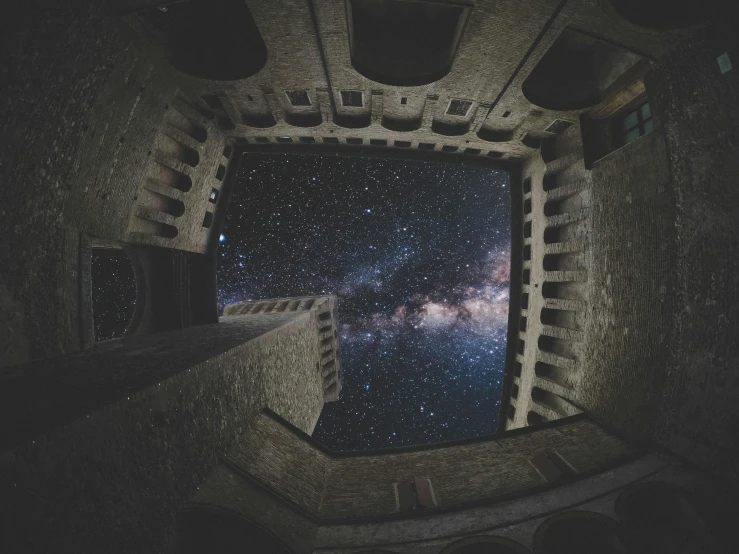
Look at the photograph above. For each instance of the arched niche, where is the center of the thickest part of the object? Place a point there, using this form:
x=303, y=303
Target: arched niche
x=662, y=14
x=353, y=121
x=404, y=42
x=205, y=531
x=402, y=125
x=259, y=120
x=450, y=129
x=575, y=72
x=495, y=135
x=485, y=545
x=658, y=518
x=209, y=39
x=578, y=532
x=304, y=119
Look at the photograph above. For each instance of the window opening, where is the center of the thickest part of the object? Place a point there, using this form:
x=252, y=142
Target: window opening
x=298, y=97
x=415, y=495
x=113, y=292
x=458, y=108
x=635, y=124
x=352, y=98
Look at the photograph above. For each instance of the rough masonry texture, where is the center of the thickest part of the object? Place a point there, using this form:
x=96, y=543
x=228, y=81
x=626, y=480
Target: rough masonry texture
x=123, y=124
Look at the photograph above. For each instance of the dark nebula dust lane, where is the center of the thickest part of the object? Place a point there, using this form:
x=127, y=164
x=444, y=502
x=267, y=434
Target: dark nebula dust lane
x=418, y=254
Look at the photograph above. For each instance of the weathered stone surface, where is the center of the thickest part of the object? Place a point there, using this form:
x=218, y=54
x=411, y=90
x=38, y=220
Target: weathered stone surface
x=630, y=274
x=118, y=438
x=699, y=412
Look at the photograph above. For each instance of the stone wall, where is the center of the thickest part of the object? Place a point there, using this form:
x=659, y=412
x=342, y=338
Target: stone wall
x=630, y=306
x=329, y=487
x=646, y=292
x=103, y=448
x=89, y=112
x=277, y=481
x=699, y=412
x=518, y=523
x=325, y=309
x=501, y=43
x=556, y=261
x=657, y=349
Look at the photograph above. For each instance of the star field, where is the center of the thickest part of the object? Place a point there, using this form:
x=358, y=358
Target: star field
x=113, y=293
x=418, y=254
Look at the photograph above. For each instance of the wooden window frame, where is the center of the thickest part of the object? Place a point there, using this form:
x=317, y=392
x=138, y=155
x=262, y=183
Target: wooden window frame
x=641, y=123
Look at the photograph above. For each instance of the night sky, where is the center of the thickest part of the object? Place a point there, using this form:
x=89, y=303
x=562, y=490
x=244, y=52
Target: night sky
x=113, y=293
x=419, y=256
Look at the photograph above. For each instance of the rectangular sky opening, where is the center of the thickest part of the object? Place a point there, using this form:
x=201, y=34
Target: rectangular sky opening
x=418, y=254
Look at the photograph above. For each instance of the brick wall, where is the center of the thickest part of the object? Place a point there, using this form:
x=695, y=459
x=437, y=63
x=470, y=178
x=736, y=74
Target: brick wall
x=626, y=344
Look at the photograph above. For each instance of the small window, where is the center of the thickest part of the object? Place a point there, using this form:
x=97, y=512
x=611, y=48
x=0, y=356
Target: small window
x=426, y=145
x=506, y=113
x=472, y=151
x=402, y=144
x=635, y=124
x=283, y=140
x=404, y=100
x=352, y=98
x=213, y=196
x=330, y=140
x=298, y=97
x=220, y=172
x=354, y=141
x=449, y=148
x=250, y=98
x=415, y=495
x=378, y=142
x=458, y=108
x=494, y=154
x=262, y=140
x=227, y=151
x=208, y=219
x=558, y=126
x=307, y=140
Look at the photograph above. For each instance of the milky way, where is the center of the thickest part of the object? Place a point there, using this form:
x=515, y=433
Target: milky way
x=418, y=254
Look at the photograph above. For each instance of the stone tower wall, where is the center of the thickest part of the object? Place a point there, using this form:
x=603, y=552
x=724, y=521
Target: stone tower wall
x=97, y=133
